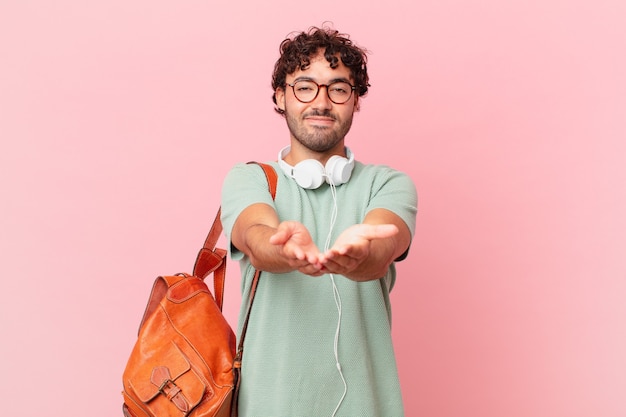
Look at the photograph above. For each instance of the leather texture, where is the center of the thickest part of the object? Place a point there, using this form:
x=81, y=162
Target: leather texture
x=185, y=361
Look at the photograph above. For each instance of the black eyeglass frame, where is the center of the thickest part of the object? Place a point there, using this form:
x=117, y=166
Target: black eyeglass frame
x=319, y=86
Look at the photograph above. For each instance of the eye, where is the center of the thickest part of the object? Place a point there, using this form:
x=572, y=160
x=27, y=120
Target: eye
x=305, y=86
x=340, y=88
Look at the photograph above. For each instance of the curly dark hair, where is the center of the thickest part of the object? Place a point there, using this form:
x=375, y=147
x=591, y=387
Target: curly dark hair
x=296, y=54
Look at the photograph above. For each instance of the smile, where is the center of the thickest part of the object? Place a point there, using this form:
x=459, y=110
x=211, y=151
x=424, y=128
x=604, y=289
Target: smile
x=320, y=119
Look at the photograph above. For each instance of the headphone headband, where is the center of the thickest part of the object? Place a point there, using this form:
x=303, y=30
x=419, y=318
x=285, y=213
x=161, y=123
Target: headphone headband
x=310, y=173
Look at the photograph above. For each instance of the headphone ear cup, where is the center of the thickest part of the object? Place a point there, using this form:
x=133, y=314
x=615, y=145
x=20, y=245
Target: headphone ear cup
x=338, y=170
x=309, y=173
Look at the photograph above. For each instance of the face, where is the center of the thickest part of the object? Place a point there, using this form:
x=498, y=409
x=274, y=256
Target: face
x=319, y=125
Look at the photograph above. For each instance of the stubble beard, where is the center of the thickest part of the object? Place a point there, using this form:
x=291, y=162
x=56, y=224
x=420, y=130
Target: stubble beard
x=315, y=138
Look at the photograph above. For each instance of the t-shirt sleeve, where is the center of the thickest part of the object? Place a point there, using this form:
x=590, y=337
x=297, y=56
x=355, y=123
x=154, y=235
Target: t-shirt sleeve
x=395, y=191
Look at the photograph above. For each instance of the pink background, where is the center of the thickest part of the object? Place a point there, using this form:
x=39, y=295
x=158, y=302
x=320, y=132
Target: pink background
x=119, y=119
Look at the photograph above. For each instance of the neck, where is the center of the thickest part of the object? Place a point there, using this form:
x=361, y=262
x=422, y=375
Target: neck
x=297, y=152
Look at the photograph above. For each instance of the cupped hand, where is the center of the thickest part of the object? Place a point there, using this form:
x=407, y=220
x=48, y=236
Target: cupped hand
x=352, y=247
x=297, y=247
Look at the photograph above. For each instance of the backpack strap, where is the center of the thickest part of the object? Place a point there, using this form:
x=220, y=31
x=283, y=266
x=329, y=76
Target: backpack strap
x=213, y=260
x=272, y=179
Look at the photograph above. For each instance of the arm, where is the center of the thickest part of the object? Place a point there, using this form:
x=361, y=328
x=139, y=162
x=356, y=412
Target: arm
x=365, y=251
x=274, y=246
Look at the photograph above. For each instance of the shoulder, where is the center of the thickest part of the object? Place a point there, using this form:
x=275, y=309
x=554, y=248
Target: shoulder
x=382, y=176
x=245, y=184
x=387, y=188
x=252, y=168
x=247, y=173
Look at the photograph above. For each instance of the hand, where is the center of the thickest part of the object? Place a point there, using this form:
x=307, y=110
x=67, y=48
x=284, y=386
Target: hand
x=298, y=247
x=352, y=247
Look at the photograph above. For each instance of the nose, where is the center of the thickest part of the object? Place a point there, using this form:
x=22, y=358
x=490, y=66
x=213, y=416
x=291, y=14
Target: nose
x=322, y=101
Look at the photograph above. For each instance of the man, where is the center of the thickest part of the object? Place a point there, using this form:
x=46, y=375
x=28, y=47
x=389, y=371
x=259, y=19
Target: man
x=319, y=338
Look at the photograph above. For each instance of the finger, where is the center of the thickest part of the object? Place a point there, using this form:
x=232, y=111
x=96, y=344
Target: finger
x=313, y=270
x=339, y=264
x=278, y=238
x=353, y=251
x=299, y=254
x=283, y=233
x=314, y=258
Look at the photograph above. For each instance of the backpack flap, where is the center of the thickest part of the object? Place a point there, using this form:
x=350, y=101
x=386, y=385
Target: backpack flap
x=172, y=386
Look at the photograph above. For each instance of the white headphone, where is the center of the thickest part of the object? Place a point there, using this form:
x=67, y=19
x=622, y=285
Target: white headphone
x=310, y=173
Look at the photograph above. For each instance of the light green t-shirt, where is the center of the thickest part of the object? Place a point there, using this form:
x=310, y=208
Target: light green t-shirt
x=289, y=367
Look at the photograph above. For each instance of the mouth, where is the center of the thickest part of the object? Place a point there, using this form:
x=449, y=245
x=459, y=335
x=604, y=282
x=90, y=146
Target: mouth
x=320, y=120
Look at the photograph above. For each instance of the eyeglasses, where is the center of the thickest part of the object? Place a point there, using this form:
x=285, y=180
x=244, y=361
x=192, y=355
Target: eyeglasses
x=338, y=92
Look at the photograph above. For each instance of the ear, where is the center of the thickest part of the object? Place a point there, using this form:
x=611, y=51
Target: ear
x=280, y=98
x=357, y=103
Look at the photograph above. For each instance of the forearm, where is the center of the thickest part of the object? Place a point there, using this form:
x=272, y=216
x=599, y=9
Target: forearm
x=251, y=234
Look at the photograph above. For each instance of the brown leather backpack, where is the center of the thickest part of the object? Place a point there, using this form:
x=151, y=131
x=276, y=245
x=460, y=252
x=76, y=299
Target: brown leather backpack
x=184, y=362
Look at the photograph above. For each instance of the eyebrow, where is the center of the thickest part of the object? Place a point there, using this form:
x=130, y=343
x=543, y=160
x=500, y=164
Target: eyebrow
x=334, y=80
